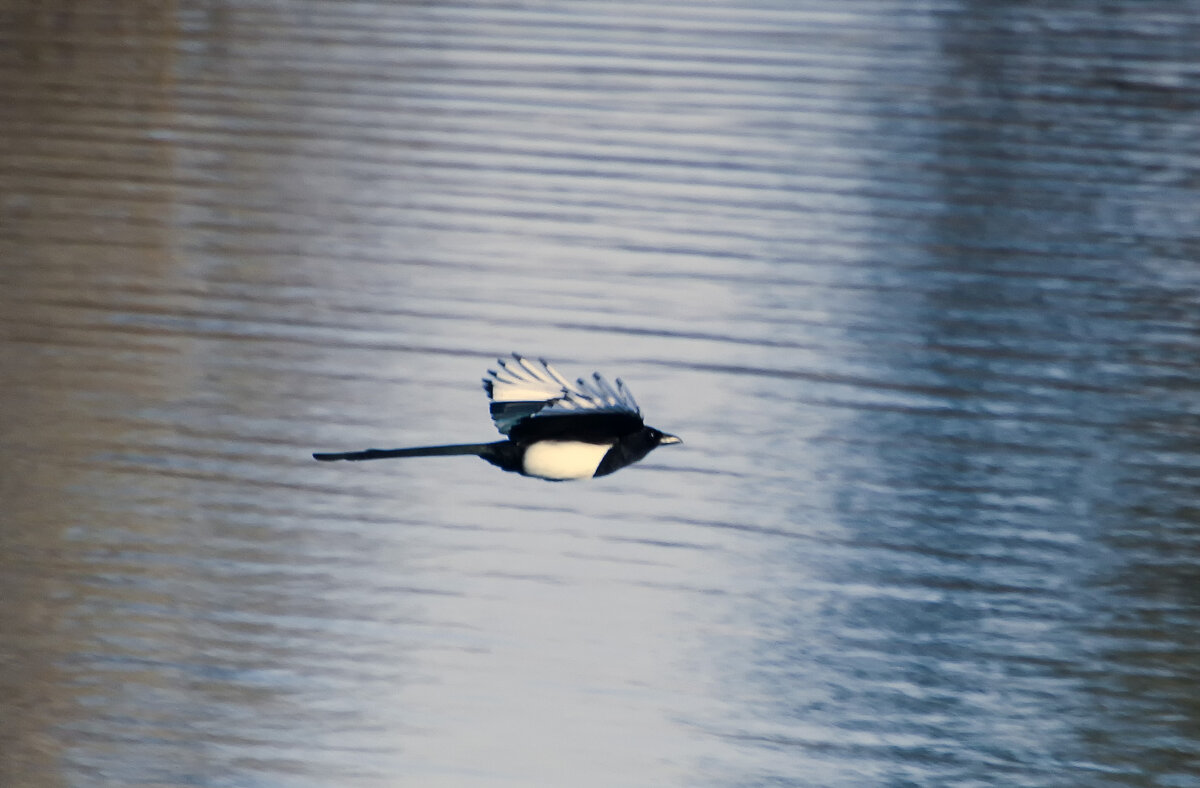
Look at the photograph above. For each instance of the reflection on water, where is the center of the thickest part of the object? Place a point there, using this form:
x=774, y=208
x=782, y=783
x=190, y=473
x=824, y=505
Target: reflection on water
x=916, y=287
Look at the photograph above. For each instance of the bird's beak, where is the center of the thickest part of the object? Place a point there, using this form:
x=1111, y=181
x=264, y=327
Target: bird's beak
x=665, y=439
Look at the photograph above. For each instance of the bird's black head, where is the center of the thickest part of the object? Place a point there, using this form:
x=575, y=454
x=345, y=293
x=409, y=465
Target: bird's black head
x=633, y=447
x=660, y=438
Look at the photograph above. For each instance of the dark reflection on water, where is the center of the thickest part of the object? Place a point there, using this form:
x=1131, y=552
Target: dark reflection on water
x=1011, y=555
x=917, y=286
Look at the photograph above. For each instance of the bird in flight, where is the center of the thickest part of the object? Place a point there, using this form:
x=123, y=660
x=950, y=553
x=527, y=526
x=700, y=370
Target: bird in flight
x=555, y=429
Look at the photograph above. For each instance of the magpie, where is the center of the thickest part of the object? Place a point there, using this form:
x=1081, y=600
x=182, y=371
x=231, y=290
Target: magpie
x=556, y=430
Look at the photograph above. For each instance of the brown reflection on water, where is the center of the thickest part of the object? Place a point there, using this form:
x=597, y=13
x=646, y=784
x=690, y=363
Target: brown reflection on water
x=84, y=201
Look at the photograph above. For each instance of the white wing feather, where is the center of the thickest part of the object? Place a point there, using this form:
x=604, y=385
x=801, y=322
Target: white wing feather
x=523, y=387
x=520, y=380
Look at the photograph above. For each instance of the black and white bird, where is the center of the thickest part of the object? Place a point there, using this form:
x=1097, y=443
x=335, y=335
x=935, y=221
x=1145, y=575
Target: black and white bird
x=556, y=430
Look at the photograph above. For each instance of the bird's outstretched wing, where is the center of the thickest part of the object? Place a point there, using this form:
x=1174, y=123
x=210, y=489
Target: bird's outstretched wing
x=523, y=390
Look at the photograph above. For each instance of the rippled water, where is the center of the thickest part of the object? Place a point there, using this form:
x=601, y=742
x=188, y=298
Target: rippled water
x=916, y=284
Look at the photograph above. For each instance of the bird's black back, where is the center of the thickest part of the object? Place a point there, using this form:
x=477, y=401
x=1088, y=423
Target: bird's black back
x=586, y=427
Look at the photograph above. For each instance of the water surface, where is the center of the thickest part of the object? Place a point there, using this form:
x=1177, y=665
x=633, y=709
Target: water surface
x=917, y=286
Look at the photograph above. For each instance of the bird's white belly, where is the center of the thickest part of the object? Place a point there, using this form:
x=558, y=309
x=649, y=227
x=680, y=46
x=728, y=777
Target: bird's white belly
x=561, y=460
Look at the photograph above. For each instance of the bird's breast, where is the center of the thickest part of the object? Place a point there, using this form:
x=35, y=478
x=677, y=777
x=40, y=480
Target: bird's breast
x=562, y=460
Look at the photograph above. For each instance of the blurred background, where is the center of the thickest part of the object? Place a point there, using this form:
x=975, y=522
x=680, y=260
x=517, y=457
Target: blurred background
x=917, y=284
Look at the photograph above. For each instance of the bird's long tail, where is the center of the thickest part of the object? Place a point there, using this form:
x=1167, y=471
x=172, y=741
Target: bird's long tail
x=476, y=449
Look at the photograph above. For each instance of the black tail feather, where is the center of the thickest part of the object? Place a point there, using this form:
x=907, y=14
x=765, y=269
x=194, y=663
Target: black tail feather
x=475, y=449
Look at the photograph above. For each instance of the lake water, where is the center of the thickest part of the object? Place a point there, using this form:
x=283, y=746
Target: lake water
x=917, y=284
